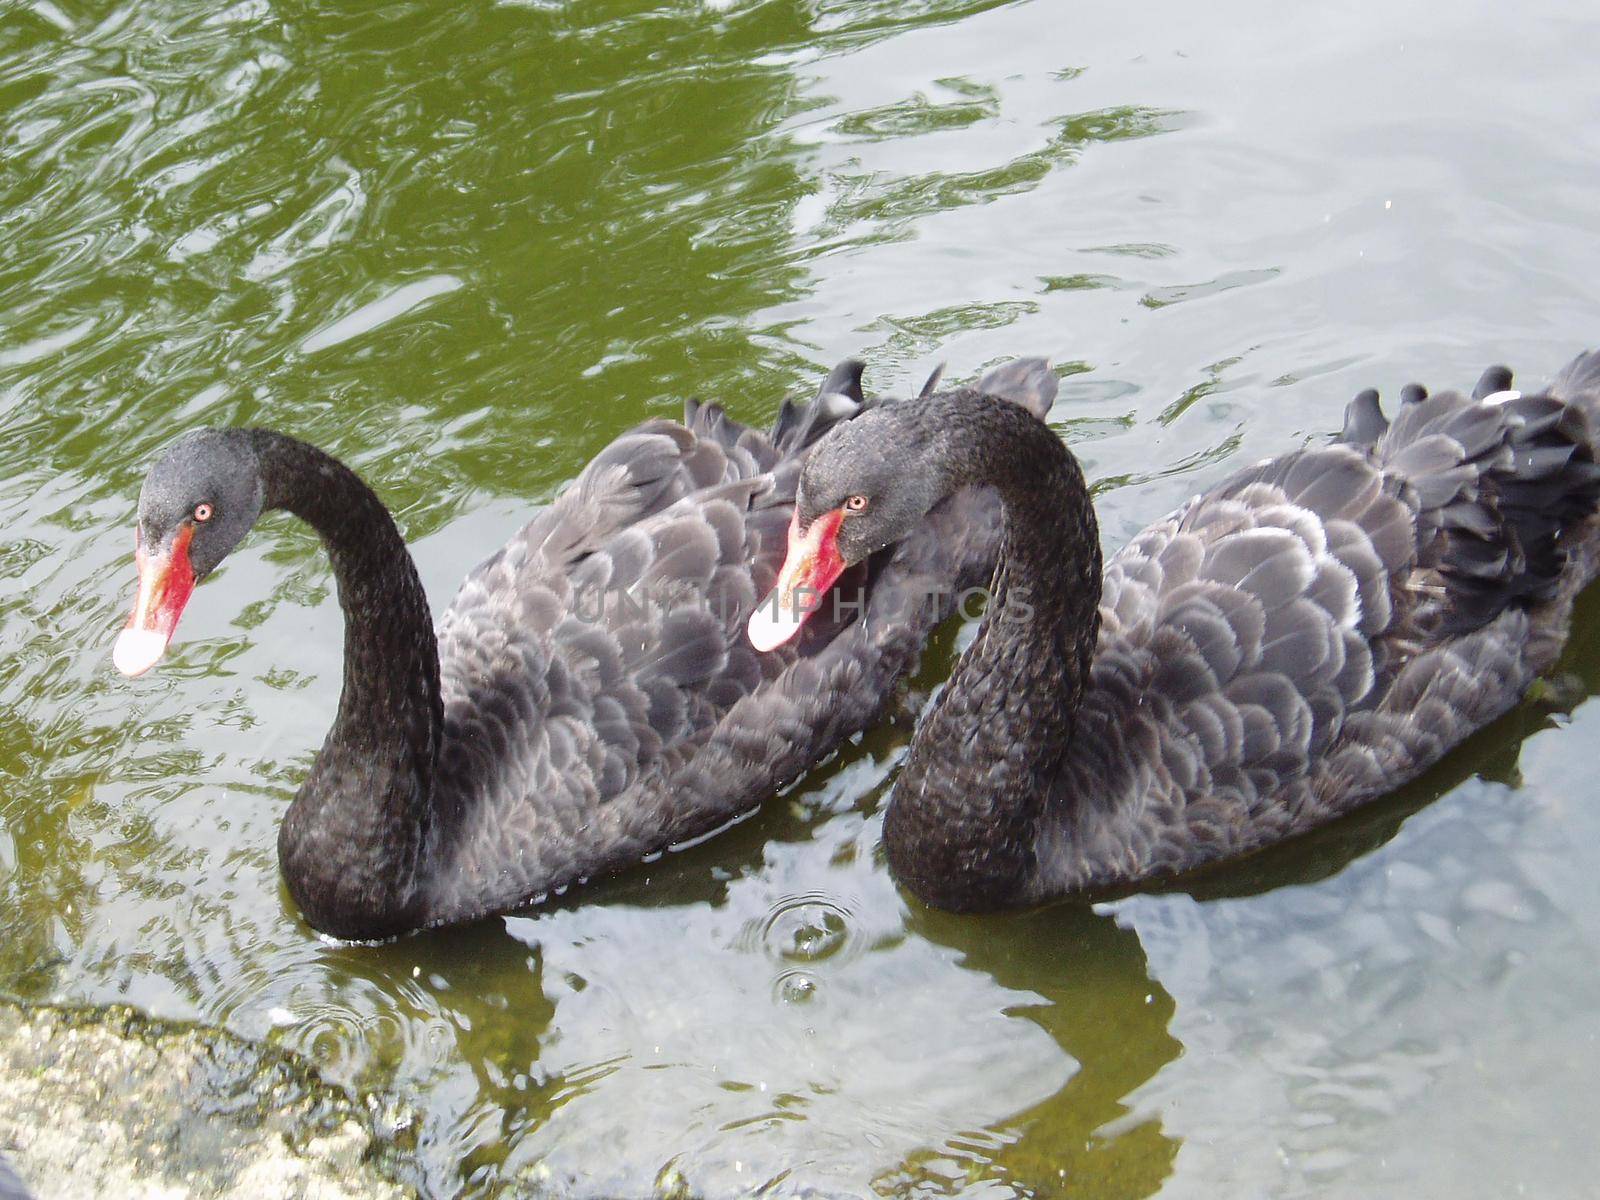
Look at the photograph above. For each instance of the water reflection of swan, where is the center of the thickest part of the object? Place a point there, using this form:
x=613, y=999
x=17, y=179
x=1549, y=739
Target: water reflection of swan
x=669, y=1022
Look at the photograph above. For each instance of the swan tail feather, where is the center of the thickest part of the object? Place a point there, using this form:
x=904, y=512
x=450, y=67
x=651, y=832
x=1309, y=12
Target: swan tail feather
x=1578, y=384
x=1498, y=480
x=799, y=425
x=1364, y=422
x=1026, y=381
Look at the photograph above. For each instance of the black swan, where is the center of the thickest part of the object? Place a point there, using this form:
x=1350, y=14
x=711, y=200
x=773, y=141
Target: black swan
x=588, y=699
x=1304, y=637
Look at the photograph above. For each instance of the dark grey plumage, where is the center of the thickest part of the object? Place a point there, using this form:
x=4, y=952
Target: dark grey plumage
x=589, y=698
x=1308, y=635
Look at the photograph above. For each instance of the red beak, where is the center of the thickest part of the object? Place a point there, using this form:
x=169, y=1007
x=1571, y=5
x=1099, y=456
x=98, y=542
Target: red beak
x=809, y=570
x=165, y=583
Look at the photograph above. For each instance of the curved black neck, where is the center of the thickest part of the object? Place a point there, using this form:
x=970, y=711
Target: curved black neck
x=352, y=841
x=962, y=827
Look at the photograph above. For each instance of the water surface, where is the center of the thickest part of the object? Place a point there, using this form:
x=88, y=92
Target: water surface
x=463, y=246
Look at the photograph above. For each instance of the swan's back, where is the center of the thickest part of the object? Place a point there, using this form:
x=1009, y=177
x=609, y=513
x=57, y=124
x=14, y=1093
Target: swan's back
x=600, y=699
x=1323, y=626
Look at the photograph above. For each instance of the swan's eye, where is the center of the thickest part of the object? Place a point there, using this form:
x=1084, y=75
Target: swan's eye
x=202, y=512
x=856, y=504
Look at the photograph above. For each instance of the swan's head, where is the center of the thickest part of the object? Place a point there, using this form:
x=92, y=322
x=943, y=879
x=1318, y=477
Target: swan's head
x=201, y=497
x=871, y=480
x=866, y=485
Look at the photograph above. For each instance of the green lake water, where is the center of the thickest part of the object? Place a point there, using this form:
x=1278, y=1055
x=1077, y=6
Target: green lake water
x=463, y=245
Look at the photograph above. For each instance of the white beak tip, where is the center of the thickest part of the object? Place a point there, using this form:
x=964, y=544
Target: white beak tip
x=137, y=650
x=769, y=629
